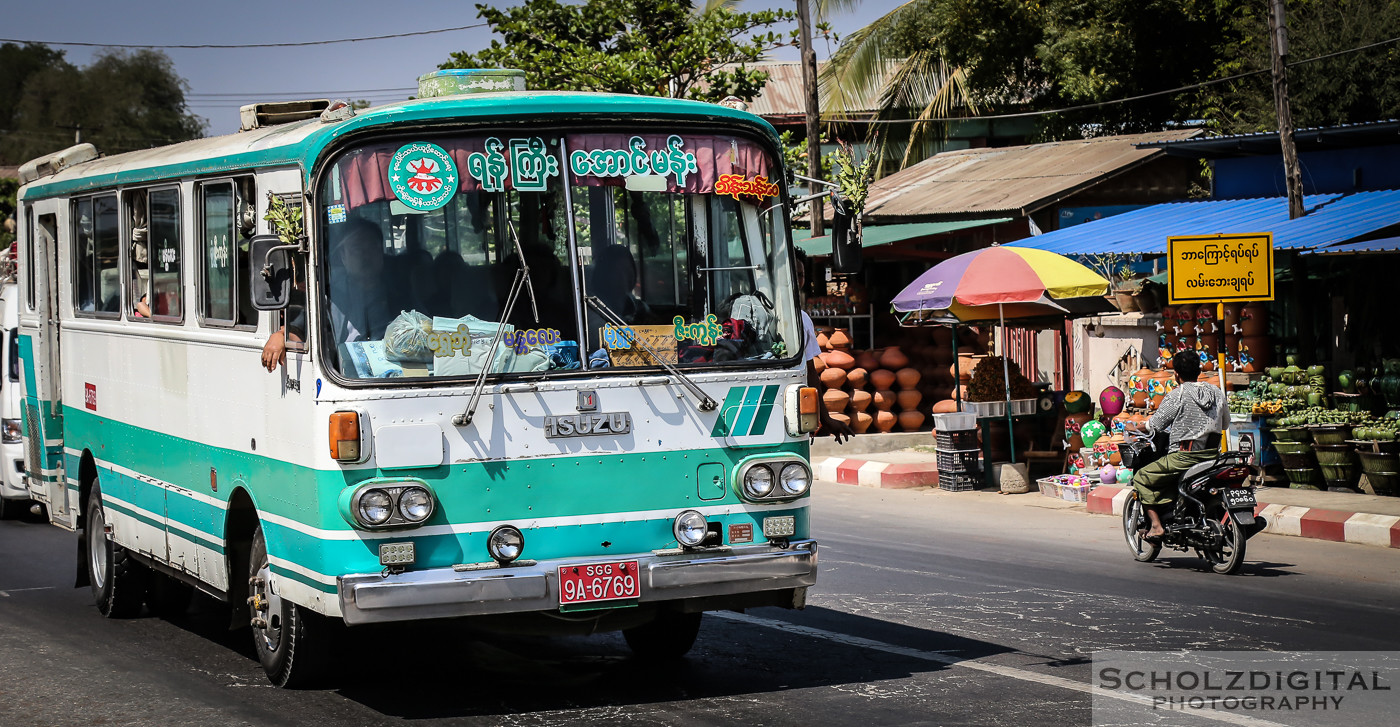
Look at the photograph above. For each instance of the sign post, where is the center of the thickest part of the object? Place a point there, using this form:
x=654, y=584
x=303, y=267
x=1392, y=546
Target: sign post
x=1219, y=269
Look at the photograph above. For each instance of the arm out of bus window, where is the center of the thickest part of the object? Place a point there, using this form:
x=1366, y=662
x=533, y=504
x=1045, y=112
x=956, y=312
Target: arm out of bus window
x=841, y=430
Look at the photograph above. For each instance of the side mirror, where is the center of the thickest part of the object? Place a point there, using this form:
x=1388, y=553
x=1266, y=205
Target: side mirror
x=270, y=272
x=845, y=244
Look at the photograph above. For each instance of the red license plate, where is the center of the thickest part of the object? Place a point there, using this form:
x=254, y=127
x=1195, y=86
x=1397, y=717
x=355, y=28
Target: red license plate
x=599, y=582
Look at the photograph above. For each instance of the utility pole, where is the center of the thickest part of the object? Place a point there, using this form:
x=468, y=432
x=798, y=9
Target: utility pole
x=809, y=84
x=1293, y=177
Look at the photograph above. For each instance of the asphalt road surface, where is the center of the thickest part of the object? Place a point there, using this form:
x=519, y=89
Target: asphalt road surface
x=931, y=609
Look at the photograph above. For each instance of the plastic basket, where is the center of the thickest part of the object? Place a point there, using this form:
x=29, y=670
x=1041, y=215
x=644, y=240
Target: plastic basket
x=985, y=409
x=955, y=421
x=1022, y=406
x=955, y=441
x=957, y=482
x=968, y=460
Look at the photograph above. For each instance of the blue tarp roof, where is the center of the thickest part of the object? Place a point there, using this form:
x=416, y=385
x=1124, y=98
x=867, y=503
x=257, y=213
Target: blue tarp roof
x=1388, y=244
x=1330, y=219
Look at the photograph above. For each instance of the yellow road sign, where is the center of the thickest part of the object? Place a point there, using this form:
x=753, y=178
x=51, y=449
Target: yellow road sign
x=1212, y=268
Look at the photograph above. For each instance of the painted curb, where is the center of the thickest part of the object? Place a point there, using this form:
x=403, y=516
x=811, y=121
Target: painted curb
x=1306, y=522
x=866, y=473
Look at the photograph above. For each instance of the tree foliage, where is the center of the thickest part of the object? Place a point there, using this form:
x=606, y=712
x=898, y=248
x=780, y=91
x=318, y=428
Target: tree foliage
x=646, y=47
x=121, y=101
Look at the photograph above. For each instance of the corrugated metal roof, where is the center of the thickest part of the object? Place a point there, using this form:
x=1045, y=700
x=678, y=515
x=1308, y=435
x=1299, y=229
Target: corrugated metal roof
x=873, y=235
x=1006, y=181
x=1330, y=219
x=1387, y=244
x=783, y=95
x=1267, y=142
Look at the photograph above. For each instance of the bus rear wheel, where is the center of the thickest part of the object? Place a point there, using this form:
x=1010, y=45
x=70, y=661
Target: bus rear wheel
x=670, y=636
x=292, y=642
x=118, y=582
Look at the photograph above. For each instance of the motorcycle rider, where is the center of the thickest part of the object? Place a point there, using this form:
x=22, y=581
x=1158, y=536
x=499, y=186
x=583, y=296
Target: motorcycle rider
x=1193, y=415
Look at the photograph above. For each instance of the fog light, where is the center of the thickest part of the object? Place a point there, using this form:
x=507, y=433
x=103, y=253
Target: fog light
x=690, y=528
x=779, y=527
x=375, y=507
x=505, y=544
x=396, y=553
x=795, y=479
x=758, y=481
x=415, y=504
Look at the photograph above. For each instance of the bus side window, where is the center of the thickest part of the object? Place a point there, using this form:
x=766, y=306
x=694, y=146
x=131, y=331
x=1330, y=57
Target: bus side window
x=223, y=257
x=96, y=249
x=138, y=265
x=163, y=244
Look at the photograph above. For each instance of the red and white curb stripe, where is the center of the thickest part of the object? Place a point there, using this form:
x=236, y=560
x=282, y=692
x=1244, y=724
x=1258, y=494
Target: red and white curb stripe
x=1306, y=522
x=868, y=473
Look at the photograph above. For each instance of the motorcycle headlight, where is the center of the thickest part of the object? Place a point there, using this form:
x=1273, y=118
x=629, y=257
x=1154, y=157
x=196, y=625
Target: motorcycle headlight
x=505, y=544
x=415, y=504
x=690, y=528
x=795, y=479
x=758, y=481
x=375, y=507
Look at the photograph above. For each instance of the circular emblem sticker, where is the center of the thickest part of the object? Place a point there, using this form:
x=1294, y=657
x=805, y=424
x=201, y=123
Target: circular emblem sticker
x=423, y=176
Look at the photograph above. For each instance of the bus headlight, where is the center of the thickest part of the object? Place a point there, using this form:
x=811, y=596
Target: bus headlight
x=375, y=507
x=505, y=544
x=795, y=479
x=12, y=431
x=415, y=504
x=690, y=528
x=758, y=481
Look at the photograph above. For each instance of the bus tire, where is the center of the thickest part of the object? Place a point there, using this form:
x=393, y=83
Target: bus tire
x=669, y=636
x=293, y=643
x=118, y=582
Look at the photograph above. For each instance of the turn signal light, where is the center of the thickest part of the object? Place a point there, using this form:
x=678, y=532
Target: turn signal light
x=345, y=436
x=807, y=401
x=800, y=406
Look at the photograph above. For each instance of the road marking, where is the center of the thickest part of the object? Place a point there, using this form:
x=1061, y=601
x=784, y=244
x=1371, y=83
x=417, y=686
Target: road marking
x=6, y=593
x=983, y=666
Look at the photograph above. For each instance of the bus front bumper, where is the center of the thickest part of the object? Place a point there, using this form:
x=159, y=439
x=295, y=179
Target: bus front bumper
x=446, y=592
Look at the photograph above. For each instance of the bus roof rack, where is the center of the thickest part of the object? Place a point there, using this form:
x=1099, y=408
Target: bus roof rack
x=51, y=164
x=272, y=113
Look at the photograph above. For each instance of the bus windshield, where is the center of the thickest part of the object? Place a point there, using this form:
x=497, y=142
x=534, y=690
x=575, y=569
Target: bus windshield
x=642, y=248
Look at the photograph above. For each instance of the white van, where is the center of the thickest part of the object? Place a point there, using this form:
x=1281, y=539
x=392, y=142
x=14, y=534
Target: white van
x=14, y=497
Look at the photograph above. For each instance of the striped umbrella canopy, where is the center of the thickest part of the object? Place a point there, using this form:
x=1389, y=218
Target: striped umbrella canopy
x=1020, y=279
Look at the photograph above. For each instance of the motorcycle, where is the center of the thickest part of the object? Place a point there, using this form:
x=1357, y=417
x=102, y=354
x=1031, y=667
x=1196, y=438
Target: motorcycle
x=1214, y=514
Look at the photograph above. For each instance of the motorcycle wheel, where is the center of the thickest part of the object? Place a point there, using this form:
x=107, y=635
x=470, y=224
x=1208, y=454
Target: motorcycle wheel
x=1227, y=559
x=1133, y=520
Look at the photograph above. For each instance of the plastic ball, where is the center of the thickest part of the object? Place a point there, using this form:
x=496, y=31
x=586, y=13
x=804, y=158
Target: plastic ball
x=1077, y=402
x=1125, y=476
x=1108, y=474
x=1090, y=432
x=1111, y=401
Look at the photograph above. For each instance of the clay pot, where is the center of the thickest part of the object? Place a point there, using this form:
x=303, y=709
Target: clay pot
x=836, y=400
x=860, y=400
x=908, y=399
x=966, y=363
x=1073, y=421
x=1253, y=355
x=825, y=330
x=867, y=360
x=882, y=379
x=1254, y=320
x=911, y=420
x=1169, y=315
x=839, y=359
x=833, y=378
x=946, y=406
x=840, y=340
x=822, y=342
x=907, y=378
x=861, y=422
x=884, y=400
x=819, y=363
x=841, y=418
x=1232, y=317
x=885, y=420
x=893, y=359
x=856, y=377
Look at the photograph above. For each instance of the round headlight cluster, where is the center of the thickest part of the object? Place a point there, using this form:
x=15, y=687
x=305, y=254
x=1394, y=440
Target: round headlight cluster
x=505, y=544
x=390, y=506
x=690, y=528
x=795, y=479
x=758, y=481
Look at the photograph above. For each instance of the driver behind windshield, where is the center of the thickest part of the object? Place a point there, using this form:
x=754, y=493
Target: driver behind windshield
x=1192, y=415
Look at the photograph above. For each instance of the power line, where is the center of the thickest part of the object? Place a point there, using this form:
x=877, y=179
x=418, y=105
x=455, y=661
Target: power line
x=1114, y=102
x=243, y=45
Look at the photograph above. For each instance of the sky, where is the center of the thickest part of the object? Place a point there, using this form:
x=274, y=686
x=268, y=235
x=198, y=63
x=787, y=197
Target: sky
x=221, y=80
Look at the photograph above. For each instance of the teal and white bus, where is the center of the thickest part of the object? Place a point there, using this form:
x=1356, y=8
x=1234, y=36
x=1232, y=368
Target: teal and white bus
x=534, y=356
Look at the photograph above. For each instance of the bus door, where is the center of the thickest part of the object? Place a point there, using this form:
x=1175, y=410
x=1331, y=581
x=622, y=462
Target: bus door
x=44, y=404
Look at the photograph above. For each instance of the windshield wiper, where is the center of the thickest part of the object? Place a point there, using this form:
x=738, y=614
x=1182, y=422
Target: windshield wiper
x=521, y=282
x=706, y=403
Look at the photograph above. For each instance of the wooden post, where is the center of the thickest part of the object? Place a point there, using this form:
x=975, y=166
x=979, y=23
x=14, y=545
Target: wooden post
x=1292, y=175
x=809, y=86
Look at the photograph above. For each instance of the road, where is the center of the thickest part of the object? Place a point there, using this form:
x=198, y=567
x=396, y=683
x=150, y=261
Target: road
x=931, y=609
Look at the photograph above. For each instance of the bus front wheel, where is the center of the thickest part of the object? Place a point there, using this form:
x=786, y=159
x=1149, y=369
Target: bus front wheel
x=292, y=642
x=118, y=581
x=669, y=636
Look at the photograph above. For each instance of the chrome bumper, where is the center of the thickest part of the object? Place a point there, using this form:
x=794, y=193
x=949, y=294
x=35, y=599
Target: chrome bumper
x=444, y=592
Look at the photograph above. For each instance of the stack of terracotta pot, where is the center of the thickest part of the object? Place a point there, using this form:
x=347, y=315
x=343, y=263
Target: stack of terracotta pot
x=1196, y=328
